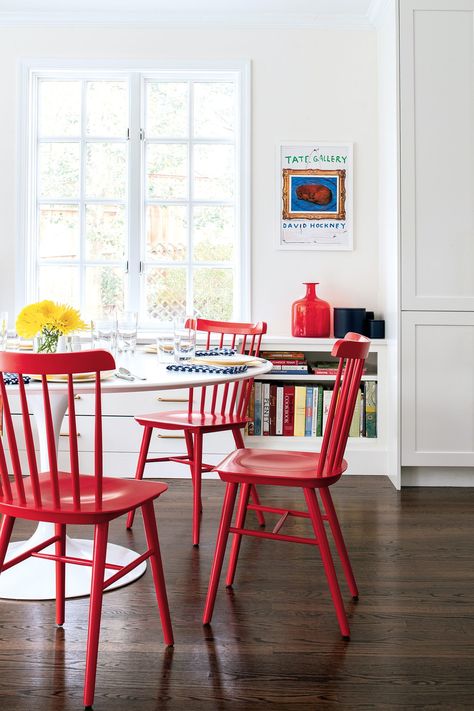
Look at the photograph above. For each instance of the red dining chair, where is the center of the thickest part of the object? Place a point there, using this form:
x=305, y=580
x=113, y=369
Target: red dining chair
x=307, y=470
x=224, y=409
x=69, y=497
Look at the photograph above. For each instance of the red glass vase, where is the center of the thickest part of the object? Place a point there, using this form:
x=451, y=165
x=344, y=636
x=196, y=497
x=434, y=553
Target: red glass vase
x=310, y=316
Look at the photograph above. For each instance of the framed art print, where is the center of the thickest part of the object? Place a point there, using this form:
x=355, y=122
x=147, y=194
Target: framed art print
x=315, y=196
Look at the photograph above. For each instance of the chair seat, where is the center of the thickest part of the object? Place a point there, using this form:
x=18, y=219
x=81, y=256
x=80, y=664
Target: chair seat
x=277, y=467
x=118, y=497
x=182, y=419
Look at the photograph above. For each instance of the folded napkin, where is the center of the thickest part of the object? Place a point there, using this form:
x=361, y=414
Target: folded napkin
x=216, y=352
x=195, y=368
x=12, y=379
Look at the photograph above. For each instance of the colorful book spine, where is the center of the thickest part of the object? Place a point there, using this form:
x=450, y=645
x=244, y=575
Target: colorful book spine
x=258, y=409
x=300, y=408
x=288, y=410
x=266, y=409
x=314, y=423
x=327, y=395
x=319, y=429
x=371, y=408
x=250, y=427
x=308, y=411
x=279, y=411
x=354, y=430
x=272, y=429
x=362, y=412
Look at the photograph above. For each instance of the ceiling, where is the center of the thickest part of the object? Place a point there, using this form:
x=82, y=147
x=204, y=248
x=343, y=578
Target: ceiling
x=267, y=13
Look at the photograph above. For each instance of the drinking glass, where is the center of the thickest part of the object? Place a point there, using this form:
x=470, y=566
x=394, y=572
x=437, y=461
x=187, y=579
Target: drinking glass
x=127, y=324
x=3, y=330
x=165, y=346
x=184, y=340
x=104, y=334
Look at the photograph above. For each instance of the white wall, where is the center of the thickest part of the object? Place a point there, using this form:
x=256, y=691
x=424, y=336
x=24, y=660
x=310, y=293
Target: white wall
x=307, y=85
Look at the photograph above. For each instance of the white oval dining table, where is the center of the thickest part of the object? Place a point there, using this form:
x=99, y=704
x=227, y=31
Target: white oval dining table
x=34, y=578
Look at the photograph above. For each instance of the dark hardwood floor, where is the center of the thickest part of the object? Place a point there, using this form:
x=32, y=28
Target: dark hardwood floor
x=274, y=641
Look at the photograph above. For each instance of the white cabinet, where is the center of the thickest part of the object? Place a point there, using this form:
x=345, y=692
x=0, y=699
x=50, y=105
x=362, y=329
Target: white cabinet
x=437, y=154
x=436, y=171
x=438, y=389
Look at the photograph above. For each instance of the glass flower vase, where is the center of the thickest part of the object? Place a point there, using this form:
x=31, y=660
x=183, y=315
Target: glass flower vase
x=310, y=316
x=50, y=342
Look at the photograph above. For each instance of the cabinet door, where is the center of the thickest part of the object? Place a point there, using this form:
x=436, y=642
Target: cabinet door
x=437, y=154
x=437, y=389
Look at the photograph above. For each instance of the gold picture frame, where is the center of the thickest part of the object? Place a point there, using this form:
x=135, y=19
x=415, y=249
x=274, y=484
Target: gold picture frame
x=335, y=178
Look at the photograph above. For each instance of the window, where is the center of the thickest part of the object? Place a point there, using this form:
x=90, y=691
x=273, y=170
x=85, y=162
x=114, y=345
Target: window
x=135, y=196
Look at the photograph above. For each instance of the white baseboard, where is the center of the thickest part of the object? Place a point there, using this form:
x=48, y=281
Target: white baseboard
x=437, y=476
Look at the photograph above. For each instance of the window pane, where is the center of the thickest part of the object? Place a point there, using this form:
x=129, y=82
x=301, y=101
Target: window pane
x=59, y=108
x=213, y=172
x=58, y=232
x=59, y=284
x=213, y=234
x=213, y=296
x=105, y=290
x=107, y=108
x=58, y=171
x=106, y=170
x=105, y=232
x=167, y=171
x=166, y=109
x=166, y=233
x=165, y=293
x=214, y=110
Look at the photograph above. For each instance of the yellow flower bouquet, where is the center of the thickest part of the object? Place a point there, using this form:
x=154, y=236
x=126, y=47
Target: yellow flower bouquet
x=48, y=321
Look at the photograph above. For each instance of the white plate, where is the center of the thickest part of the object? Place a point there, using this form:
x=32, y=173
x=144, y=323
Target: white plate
x=77, y=378
x=237, y=359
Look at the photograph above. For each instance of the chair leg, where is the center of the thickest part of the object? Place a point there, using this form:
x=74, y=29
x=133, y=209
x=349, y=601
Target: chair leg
x=222, y=536
x=240, y=444
x=95, y=610
x=60, y=550
x=140, y=466
x=328, y=563
x=151, y=533
x=339, y=541
x=197, y=475
x=237, y=537
x=190, y=452
x=6, y=528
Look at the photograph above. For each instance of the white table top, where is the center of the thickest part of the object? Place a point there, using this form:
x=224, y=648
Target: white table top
x=157, y=377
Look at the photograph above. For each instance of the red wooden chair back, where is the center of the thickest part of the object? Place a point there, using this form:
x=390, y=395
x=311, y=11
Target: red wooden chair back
x=230, y=398
x=352, y=351
x=43, y=365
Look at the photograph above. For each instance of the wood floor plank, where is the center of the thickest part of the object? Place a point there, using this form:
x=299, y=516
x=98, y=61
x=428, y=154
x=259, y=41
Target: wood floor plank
x=274, y=641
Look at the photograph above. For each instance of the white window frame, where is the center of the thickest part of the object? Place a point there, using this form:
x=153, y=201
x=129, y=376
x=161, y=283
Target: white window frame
x=136, y=72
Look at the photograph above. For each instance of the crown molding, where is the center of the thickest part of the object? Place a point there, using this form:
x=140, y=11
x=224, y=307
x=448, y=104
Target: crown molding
x=289, y=20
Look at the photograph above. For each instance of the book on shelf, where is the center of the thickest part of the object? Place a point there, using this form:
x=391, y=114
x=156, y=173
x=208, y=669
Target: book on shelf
x=288, y=410
x=266, y=409
x=293, y=369
x=371, y=408
x=257, y=386
x=308, y=411
x=279, y=410
x=291, y=410
x=250, y=426
x=282, y=355
x=327, y=368
x=300, y=411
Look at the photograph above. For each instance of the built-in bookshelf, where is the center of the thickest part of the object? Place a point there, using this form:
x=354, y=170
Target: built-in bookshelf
x=289, y=404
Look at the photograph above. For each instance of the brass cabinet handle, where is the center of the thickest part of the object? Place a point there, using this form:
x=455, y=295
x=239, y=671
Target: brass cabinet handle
x=172, y=399
x=67, y=434
x=163, y=436
x=77, y=397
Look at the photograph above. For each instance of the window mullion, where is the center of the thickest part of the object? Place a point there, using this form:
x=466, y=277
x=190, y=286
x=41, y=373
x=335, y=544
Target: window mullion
x=82, y=204
x=135, y=201
x=190, y=290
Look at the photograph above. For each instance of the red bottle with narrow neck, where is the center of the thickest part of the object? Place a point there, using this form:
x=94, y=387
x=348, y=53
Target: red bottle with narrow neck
x=310, y=316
